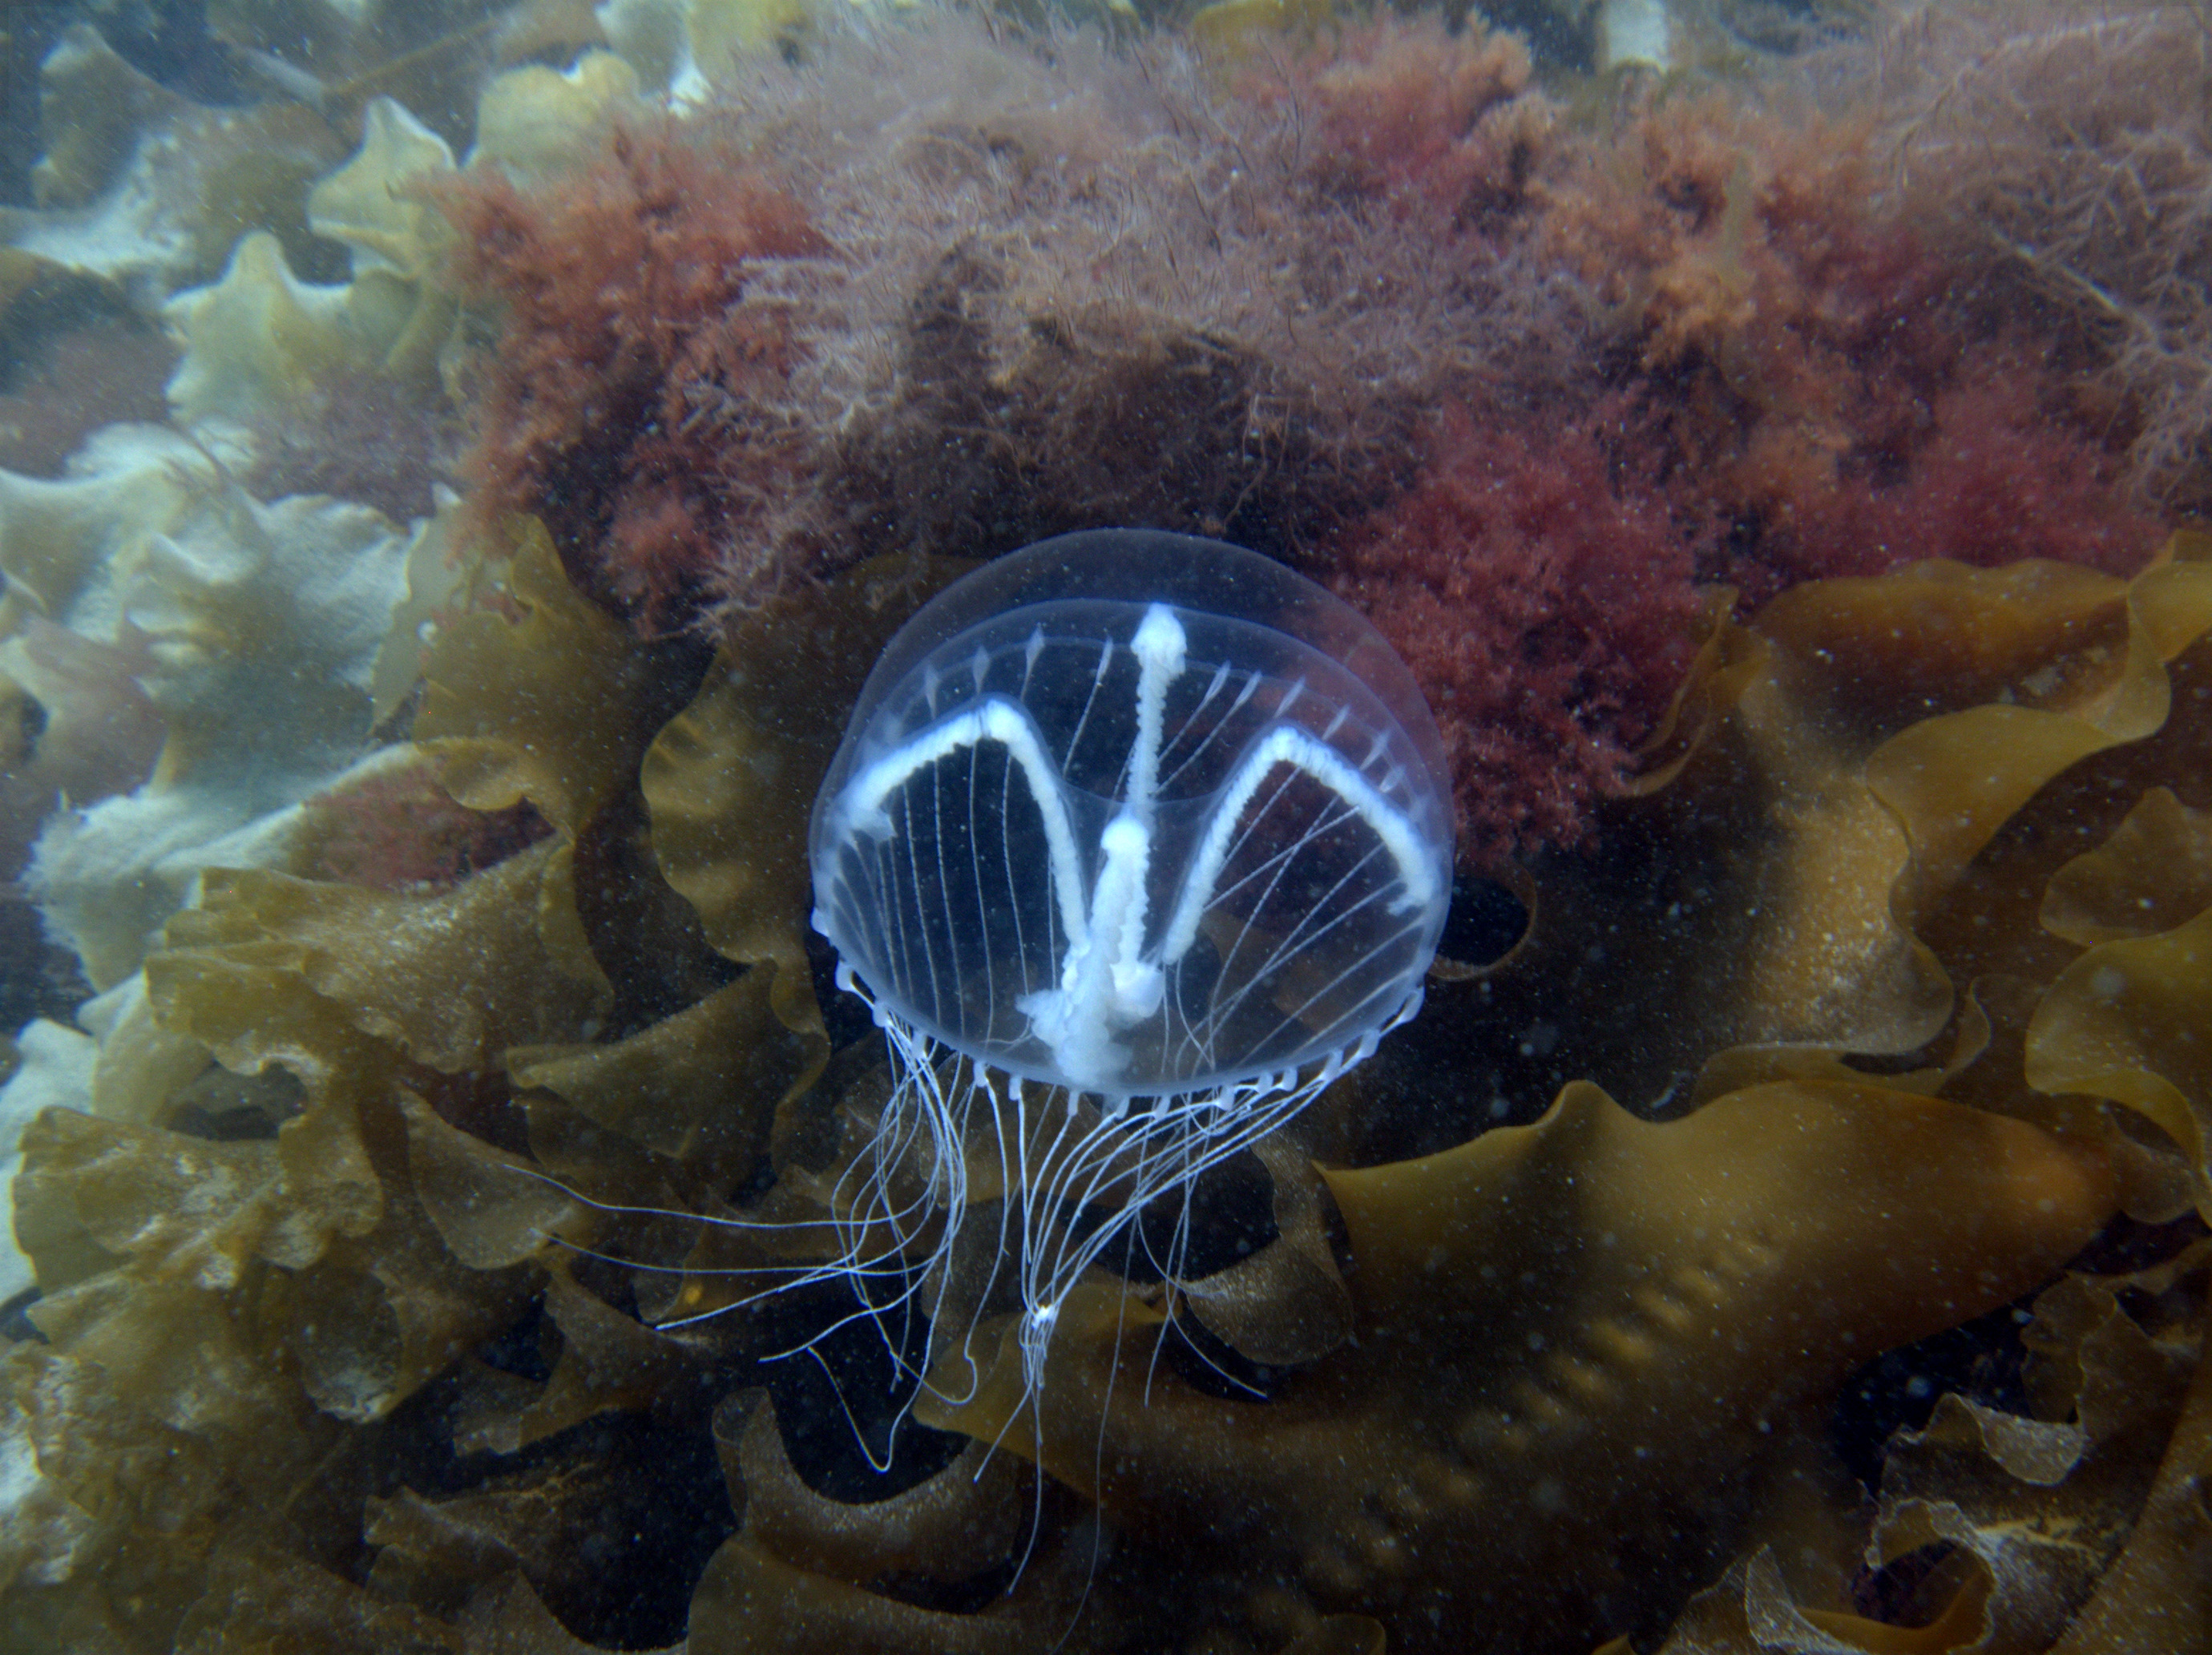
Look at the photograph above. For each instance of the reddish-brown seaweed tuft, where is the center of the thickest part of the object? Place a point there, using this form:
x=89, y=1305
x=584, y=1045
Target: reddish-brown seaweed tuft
x=1993, y=470
x=1832, y=383
x=1411, y=111
x=1541, y=592
x=632, y=403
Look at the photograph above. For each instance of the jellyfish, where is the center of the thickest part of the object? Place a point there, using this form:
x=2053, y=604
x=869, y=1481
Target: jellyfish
x=1135, y=842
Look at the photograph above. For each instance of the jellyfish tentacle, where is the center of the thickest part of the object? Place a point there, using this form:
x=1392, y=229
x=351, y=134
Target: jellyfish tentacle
x=1190, y=718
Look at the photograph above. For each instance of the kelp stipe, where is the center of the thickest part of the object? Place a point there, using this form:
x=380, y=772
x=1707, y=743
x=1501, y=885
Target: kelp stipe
x=1148, y=821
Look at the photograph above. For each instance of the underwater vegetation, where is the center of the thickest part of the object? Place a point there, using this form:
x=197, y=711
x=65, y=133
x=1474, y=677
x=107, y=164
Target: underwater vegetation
x=1587, y=586
x=461, y=472
x=633, y=397
x=898, y=298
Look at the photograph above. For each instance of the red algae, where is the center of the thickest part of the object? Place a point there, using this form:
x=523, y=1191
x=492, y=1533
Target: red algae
x=1833, y=384
x=1807, y=370
x=1994, y=475
x=2063, y=154
x=1410, y=111
x=631, y=400
x=1542, y=594
x=745, y=350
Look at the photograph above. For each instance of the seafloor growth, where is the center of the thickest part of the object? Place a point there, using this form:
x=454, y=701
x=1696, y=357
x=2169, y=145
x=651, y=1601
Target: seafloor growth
x=938, y=296
x=1593, y=1356
x=1795, y=1242
x=633, y=402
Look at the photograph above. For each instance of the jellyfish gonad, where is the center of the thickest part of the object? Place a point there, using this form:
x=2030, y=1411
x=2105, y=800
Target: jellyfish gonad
x=1134, y=843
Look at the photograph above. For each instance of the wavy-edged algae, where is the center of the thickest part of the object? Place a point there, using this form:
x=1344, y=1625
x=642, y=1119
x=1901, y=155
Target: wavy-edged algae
x=540, y=703
x=1899, y=814
x=1593, y=1303
x=142, y=188
x=2127, y=1021
x=728, y=782
x=258, y=1293
x=2045, y=1533
x=261, y=625
x=2093, y=696
x=1870, y=789
x=1544, y=1383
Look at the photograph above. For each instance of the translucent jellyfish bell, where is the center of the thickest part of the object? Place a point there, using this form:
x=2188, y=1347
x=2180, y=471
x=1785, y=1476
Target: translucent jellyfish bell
x=1138, y=814
x=1145, y=818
